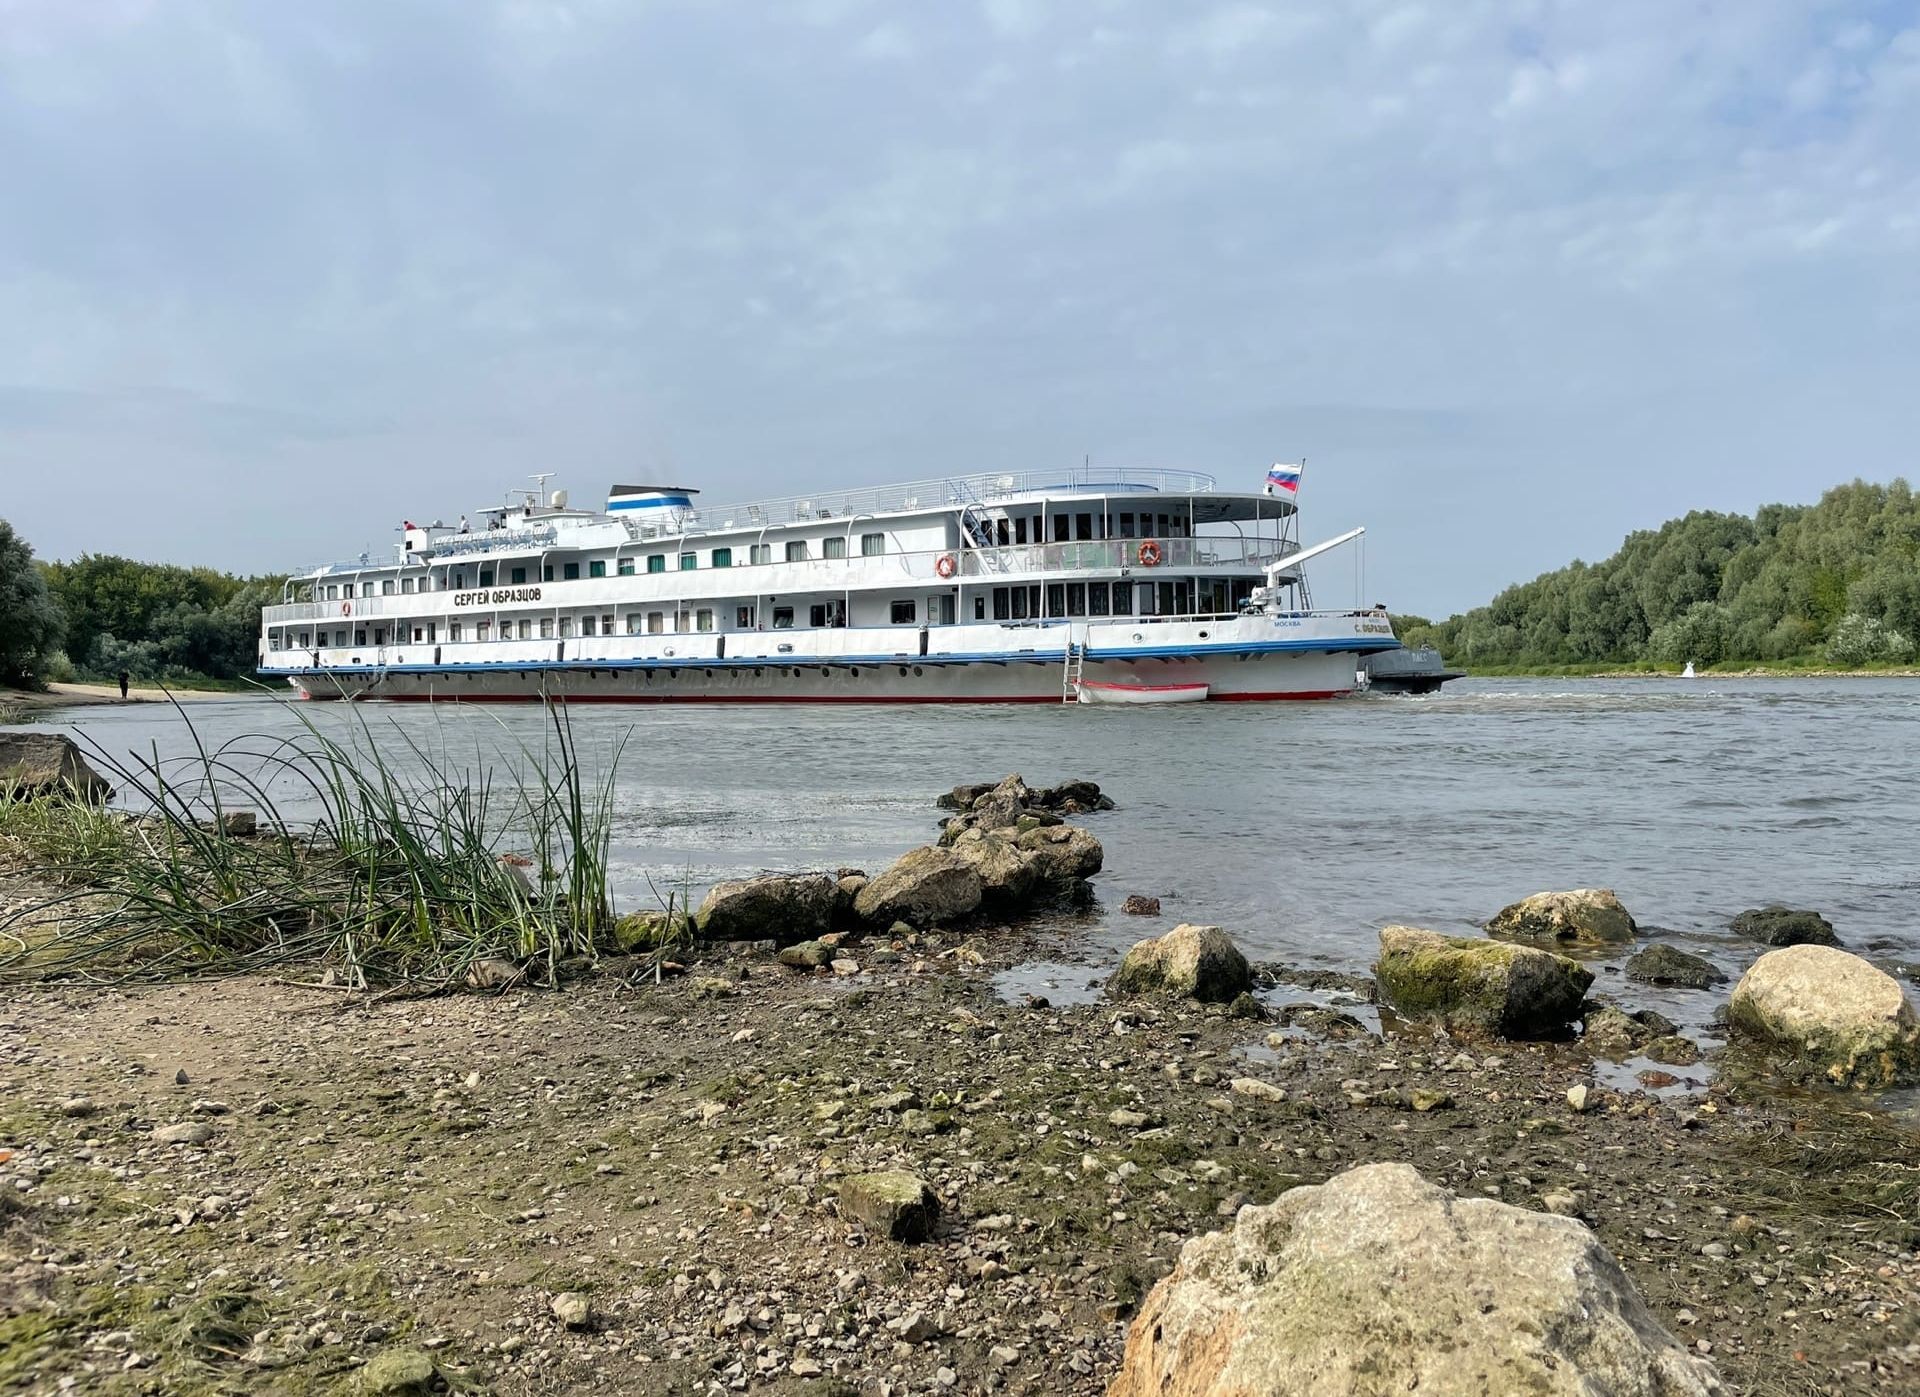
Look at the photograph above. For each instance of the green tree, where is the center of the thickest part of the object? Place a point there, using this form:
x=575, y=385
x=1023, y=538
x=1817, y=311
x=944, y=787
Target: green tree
x=31, y=626
x=1715, y=587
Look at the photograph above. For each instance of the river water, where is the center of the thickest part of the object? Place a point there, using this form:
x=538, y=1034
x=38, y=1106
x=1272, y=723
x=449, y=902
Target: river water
x=1301, y=828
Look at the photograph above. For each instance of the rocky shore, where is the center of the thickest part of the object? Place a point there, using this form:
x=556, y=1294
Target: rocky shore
x=722, y=1166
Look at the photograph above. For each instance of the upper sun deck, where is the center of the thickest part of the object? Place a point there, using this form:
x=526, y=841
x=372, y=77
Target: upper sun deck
x=538, y=527
x=950, y=492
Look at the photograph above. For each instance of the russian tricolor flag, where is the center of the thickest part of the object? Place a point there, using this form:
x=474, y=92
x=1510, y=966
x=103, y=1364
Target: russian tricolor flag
x=1282, y=477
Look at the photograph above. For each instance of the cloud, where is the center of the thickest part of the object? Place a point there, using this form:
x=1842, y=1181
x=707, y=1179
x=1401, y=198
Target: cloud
x=411, y=250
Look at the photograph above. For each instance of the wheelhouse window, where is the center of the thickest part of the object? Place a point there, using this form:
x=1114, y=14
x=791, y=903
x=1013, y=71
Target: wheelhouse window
x=835, y=547
x=796, y=550
x=723, y=557
x=872, y=545
x=903, y=613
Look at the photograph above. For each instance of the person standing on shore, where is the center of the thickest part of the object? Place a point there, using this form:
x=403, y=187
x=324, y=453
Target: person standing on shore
x=124, y=677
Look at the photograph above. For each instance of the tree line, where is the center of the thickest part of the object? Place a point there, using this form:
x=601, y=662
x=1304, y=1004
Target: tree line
x=1836, y=582
x=100, y=616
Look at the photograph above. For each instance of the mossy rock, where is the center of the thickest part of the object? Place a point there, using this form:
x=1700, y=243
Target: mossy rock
x=399, y=1372
x=1832, y=1012
x=1785, y=926
x=640, y=932
x=1661, y=964
x=1193, y=962
x=892, y=1202
x=1488, y=988
x=1582, y=917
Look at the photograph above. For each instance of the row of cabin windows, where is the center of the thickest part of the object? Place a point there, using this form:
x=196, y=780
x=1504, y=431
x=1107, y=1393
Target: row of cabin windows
x=1174, y=597
x=1084, y=526
x=686, y=619
x=758, y=554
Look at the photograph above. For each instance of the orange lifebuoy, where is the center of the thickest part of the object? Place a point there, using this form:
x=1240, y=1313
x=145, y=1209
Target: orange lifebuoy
x=1150, y=554
x=947, y=565
x=346, y=608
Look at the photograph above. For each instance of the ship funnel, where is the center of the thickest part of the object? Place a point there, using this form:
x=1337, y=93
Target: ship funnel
x=663, y=507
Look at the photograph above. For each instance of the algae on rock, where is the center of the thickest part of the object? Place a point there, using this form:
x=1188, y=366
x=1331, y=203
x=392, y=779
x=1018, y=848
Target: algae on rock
x=1490, y=988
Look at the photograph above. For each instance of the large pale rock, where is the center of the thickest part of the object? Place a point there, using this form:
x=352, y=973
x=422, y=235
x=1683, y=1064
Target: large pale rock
x=924, y=887
x=1843, y=1018
x=1483, y=987
x=1008, y=877
x=781, y=907
x=1378, y=1282
x=1585, y=917
x=1063, y=855
x=1197, y=962
x=1785, y=926
x=47, y=764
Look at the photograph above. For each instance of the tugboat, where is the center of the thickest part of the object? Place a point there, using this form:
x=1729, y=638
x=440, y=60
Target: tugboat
x=1415, y=671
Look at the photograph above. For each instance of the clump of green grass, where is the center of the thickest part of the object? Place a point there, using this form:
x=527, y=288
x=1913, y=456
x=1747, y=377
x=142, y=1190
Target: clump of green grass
x=408, y=867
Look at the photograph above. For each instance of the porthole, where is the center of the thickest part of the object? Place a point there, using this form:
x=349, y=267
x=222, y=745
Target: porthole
x=903, y=671
x=917, y=671
x=1203, y=635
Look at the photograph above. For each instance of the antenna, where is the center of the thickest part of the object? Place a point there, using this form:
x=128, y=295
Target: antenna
x=541, y=478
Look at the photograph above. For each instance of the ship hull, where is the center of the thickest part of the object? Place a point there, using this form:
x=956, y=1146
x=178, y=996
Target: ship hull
x=1228, y=678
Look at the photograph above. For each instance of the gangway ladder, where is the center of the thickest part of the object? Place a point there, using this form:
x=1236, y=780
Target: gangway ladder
x=1075, y=666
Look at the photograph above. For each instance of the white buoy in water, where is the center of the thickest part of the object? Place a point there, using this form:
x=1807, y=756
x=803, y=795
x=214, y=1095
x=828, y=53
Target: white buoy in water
x=1688, y=673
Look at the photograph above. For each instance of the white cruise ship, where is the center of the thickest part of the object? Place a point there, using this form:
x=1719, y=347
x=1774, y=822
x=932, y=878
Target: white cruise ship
x=1138, y=586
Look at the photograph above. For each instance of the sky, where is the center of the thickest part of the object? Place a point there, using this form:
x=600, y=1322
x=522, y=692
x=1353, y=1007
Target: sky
x=1512, y=278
